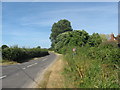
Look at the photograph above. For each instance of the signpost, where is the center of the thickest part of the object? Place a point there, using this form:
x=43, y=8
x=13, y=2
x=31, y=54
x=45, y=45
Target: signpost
x=74, y=51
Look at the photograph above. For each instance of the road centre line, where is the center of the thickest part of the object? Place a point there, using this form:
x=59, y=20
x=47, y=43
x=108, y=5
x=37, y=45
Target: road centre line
x=44, y=59
x=24, y=68
x=31, y=65
x=3, y=76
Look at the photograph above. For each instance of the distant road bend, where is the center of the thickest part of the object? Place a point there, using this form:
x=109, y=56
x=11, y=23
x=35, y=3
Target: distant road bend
x=22, y=75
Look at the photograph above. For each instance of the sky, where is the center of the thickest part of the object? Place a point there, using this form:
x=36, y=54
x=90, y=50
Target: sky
x=60, y=0
x=29, y=24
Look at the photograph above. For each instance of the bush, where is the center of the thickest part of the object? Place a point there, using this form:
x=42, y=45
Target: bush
x=109, y=44
x=21, y=54
x=92, y=67
x=95, y=40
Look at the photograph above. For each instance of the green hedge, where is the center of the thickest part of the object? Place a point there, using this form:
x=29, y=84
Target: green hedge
x=21, y=54
x=106, y=52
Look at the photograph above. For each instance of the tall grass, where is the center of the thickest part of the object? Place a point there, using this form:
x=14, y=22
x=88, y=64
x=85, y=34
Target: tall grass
x=92, y=67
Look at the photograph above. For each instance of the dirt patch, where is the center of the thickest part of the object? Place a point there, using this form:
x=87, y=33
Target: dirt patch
x=53, y=77
x=56, y=79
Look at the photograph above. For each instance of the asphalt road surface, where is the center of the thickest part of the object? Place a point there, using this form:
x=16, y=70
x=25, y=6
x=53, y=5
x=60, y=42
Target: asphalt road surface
x=21, y=75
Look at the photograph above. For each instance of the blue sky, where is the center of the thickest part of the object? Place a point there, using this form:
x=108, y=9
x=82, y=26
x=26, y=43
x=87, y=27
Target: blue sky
x=29, y=23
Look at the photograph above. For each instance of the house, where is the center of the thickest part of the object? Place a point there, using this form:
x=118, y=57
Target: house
x=113, y=38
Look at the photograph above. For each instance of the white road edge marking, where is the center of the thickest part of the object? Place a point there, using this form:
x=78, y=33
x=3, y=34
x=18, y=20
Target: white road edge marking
x=31, y=65
x=3, y=77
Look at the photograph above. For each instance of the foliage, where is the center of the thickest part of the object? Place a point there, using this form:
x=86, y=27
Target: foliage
x=105, y=55
x=71, y=38
x=76, y=38
x=60, y=27
x=4, y=46
x=105, y=37
x=92, y=67
x=62, y=35
x=38, y=47
x=22, y=54
x=95, y=39
x=118, y=38
x=96, y=62
x=109, y=44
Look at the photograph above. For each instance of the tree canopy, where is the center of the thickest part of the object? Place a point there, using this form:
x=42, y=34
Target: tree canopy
x=63, y=35
x=4, y=46
x=60, y=27
x=71, y=38
x=95, y=39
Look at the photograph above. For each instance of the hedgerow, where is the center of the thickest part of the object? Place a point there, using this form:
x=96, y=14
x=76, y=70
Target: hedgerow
x=22, y=54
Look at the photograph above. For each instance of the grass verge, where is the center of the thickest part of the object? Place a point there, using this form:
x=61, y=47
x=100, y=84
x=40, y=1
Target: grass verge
x=7, y=62
x=53, y=77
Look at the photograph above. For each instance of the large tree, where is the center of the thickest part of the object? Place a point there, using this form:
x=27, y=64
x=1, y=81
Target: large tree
x=60, y=27
x=4, y=46
x=71, y=38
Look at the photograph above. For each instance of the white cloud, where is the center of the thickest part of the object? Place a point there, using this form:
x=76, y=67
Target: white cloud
x=47, y=18
x=38, y=23
x=78, y=16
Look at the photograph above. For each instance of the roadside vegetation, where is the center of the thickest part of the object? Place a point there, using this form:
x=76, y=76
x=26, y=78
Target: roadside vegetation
x=95, y=63
x=92, y=67
x=16, y=54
